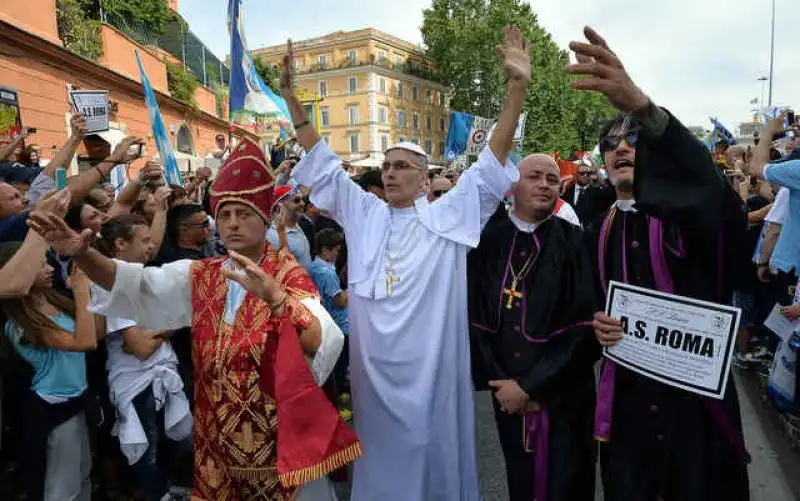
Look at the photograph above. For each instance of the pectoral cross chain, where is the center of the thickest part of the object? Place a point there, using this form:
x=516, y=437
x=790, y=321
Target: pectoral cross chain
x=512, y=294
x=391, y=280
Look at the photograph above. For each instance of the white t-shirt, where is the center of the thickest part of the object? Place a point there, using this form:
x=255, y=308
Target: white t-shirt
x=777, y=215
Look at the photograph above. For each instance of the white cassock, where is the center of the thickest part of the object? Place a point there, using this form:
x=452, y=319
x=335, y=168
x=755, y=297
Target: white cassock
x=409, y=350
x=161, y=299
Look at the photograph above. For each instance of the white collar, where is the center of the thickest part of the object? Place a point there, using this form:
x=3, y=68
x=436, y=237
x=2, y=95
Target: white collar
x=626, y=205
x=524, y=226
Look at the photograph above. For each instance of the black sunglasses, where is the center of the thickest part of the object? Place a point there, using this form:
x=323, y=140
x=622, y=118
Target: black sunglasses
x=610, y=143
x=439, y=193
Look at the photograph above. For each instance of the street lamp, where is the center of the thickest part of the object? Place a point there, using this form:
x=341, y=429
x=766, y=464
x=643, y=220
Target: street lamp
x=771, y=53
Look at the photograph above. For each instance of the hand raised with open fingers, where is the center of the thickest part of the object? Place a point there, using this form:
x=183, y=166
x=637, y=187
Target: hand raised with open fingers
x=287, y=71
x=58, y=234
x=253, y=278
x=516, y=56
x=608, y=330
x=605, y=73
x=56, y=202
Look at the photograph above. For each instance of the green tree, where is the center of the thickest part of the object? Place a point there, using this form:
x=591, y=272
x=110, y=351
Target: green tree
x=181, y=84
x=269, y=73
x=154, y=14
x=461, y=37
x=77, y=30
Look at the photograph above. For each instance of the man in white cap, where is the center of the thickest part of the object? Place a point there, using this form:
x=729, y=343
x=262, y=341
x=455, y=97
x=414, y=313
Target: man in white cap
x=410, y=359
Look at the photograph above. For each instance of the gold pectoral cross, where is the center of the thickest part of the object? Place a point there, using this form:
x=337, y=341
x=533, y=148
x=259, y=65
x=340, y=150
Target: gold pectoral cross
x=512, y=294
x=391, y=279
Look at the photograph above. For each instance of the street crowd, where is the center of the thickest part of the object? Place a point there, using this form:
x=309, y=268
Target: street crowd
x=287, y=325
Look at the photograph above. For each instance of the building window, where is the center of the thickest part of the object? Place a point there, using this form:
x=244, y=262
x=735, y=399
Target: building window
x=428, y=96
x=441, y=124
x=381, y=55
x=441, y=148
x=322, y=60
x=327, y=139
x=400, y=89
x=355, y=143
x=398, y=60
x=384, y=142
x=401, y=140
x=352, y=114
x=383, y=114
x=415, y=141
x=415, y=93
x=352, y=56
x=325, y=116
x=382, y=83
x=428, y=123
x=428, y=146
x=401, y=119
x=415, y=121
x=353, y=85
x=322, y=87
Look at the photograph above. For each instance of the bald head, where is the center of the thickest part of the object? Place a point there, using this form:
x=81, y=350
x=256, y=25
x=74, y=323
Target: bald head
x=439, y=186
x=538, y=188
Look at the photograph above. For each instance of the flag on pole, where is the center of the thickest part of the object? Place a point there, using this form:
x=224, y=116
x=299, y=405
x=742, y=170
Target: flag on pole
x=468, y=134
x=754, y=100
x=119, y=178
x=253, y=105
x=723, y=132
x=168, y=161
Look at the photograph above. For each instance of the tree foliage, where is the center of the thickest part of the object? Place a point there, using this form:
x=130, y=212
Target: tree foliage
x=155, y=14
x=269, y=73
x=77, y=30
x=181, y=84
x=461, y=37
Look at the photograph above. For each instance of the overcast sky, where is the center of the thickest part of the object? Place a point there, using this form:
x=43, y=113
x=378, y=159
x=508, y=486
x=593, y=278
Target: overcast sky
x=695, y=57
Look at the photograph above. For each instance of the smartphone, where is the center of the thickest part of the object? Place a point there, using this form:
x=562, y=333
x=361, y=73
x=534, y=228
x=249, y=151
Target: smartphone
x=61, y=178
x=790, y=118
x=31, y=130
x=137, y=150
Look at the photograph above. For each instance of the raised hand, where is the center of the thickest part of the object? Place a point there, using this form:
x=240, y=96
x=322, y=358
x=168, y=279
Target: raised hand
x=122, y=153
x=162, y=194
x=56, y=202
x=287, y=72
x=516, y=56
x=605, y=73
x=78, y=125
x=152, y=171
x=253, y=278
x=58, y=234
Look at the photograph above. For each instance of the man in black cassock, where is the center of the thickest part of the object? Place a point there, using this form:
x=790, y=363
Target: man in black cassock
x=675, y=227
x=531, y=300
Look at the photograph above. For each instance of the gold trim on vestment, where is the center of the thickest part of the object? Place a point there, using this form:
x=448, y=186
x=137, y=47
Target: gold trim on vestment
x=315, y=472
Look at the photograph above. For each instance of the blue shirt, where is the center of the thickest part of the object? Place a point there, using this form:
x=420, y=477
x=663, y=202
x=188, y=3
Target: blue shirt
x=60, y=375
x=327, y=281
x=786, y=256
x=297, y=242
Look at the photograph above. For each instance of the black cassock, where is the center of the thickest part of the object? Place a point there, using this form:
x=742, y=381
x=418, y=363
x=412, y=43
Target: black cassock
x=545, y=342
x=666, y=443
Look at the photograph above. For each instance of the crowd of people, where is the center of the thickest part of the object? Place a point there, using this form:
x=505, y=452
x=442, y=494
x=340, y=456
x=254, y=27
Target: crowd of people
x=287, y=324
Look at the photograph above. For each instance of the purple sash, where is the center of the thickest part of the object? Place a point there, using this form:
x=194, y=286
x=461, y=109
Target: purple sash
x=536, y=426
x=664, y=283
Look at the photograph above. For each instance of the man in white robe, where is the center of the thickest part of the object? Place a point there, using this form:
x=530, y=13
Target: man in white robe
x=410, y=359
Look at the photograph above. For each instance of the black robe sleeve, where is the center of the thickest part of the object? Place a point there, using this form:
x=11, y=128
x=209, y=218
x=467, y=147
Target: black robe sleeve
x=677, y=182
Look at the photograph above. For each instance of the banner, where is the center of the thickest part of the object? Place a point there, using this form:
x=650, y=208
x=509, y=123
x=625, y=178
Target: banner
x=468, y=134
x=721, y=132
x=93, y=105
x=168, y=161
x=253, y=105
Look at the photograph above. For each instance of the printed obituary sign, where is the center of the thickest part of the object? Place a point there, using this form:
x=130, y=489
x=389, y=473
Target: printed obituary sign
x=679, y=341
x=93, y=105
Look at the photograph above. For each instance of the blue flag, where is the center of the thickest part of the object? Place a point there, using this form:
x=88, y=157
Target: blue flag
x=467, y=134
x=168, y=160
x=253, y=105
x=723, y=132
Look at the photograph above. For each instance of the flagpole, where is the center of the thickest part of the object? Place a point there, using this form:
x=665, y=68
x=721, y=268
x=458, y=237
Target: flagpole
x=772, y=53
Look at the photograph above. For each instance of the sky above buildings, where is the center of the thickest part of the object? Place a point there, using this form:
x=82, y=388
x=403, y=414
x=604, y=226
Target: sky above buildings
x=698, y=58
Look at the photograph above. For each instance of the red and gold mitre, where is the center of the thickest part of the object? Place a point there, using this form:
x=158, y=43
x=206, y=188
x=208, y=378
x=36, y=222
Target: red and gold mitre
x=247, y=178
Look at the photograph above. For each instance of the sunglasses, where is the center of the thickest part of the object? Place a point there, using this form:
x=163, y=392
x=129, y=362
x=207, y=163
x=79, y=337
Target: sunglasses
x=439, y=193
x=610, y=143
x=198, y=226
x=584, y=173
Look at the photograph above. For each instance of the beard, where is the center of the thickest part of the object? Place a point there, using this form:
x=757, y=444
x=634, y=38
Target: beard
x=625, y=185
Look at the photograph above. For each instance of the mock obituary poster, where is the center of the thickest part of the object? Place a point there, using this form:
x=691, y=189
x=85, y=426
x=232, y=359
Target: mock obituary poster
x=679, y=341
x=93, y=105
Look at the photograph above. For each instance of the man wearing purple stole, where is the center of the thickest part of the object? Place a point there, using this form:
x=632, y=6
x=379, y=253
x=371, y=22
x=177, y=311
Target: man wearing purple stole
x=675, y=227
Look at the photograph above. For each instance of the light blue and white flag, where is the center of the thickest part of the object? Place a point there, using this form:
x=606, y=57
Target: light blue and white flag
x=468, y=134
x=772, y=112
x=253, y=105
x=721, y=132
x=168, y=161
x=119, y=178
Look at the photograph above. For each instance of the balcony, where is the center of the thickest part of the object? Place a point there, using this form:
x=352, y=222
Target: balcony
x=408, y=67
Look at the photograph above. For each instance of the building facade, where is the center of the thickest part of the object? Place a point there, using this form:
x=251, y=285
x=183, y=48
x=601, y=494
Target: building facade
x=372, y=90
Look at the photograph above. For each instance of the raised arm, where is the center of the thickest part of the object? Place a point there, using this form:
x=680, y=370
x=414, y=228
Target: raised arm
x=154, y=298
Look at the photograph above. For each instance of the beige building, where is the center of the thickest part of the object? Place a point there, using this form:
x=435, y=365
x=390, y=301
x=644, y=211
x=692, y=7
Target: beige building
x=372, y=90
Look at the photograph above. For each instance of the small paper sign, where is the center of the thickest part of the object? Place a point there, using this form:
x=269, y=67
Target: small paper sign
x=93, y=105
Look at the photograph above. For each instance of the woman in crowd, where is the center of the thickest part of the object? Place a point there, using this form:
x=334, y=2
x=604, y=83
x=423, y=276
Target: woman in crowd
x=145, y=387
x=51, y=333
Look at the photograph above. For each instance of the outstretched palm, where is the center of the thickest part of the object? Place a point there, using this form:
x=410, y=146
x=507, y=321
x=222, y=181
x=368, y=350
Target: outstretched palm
x=287, y=72
x=516, y=56
x=58, y=234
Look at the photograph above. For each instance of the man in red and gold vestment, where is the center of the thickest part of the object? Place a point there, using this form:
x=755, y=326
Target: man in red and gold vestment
x=255, y=317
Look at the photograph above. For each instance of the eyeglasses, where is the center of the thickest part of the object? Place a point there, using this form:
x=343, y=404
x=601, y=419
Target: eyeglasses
x=399, y=165
x=439, y=193
x=584, y=173
x=610, y=143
